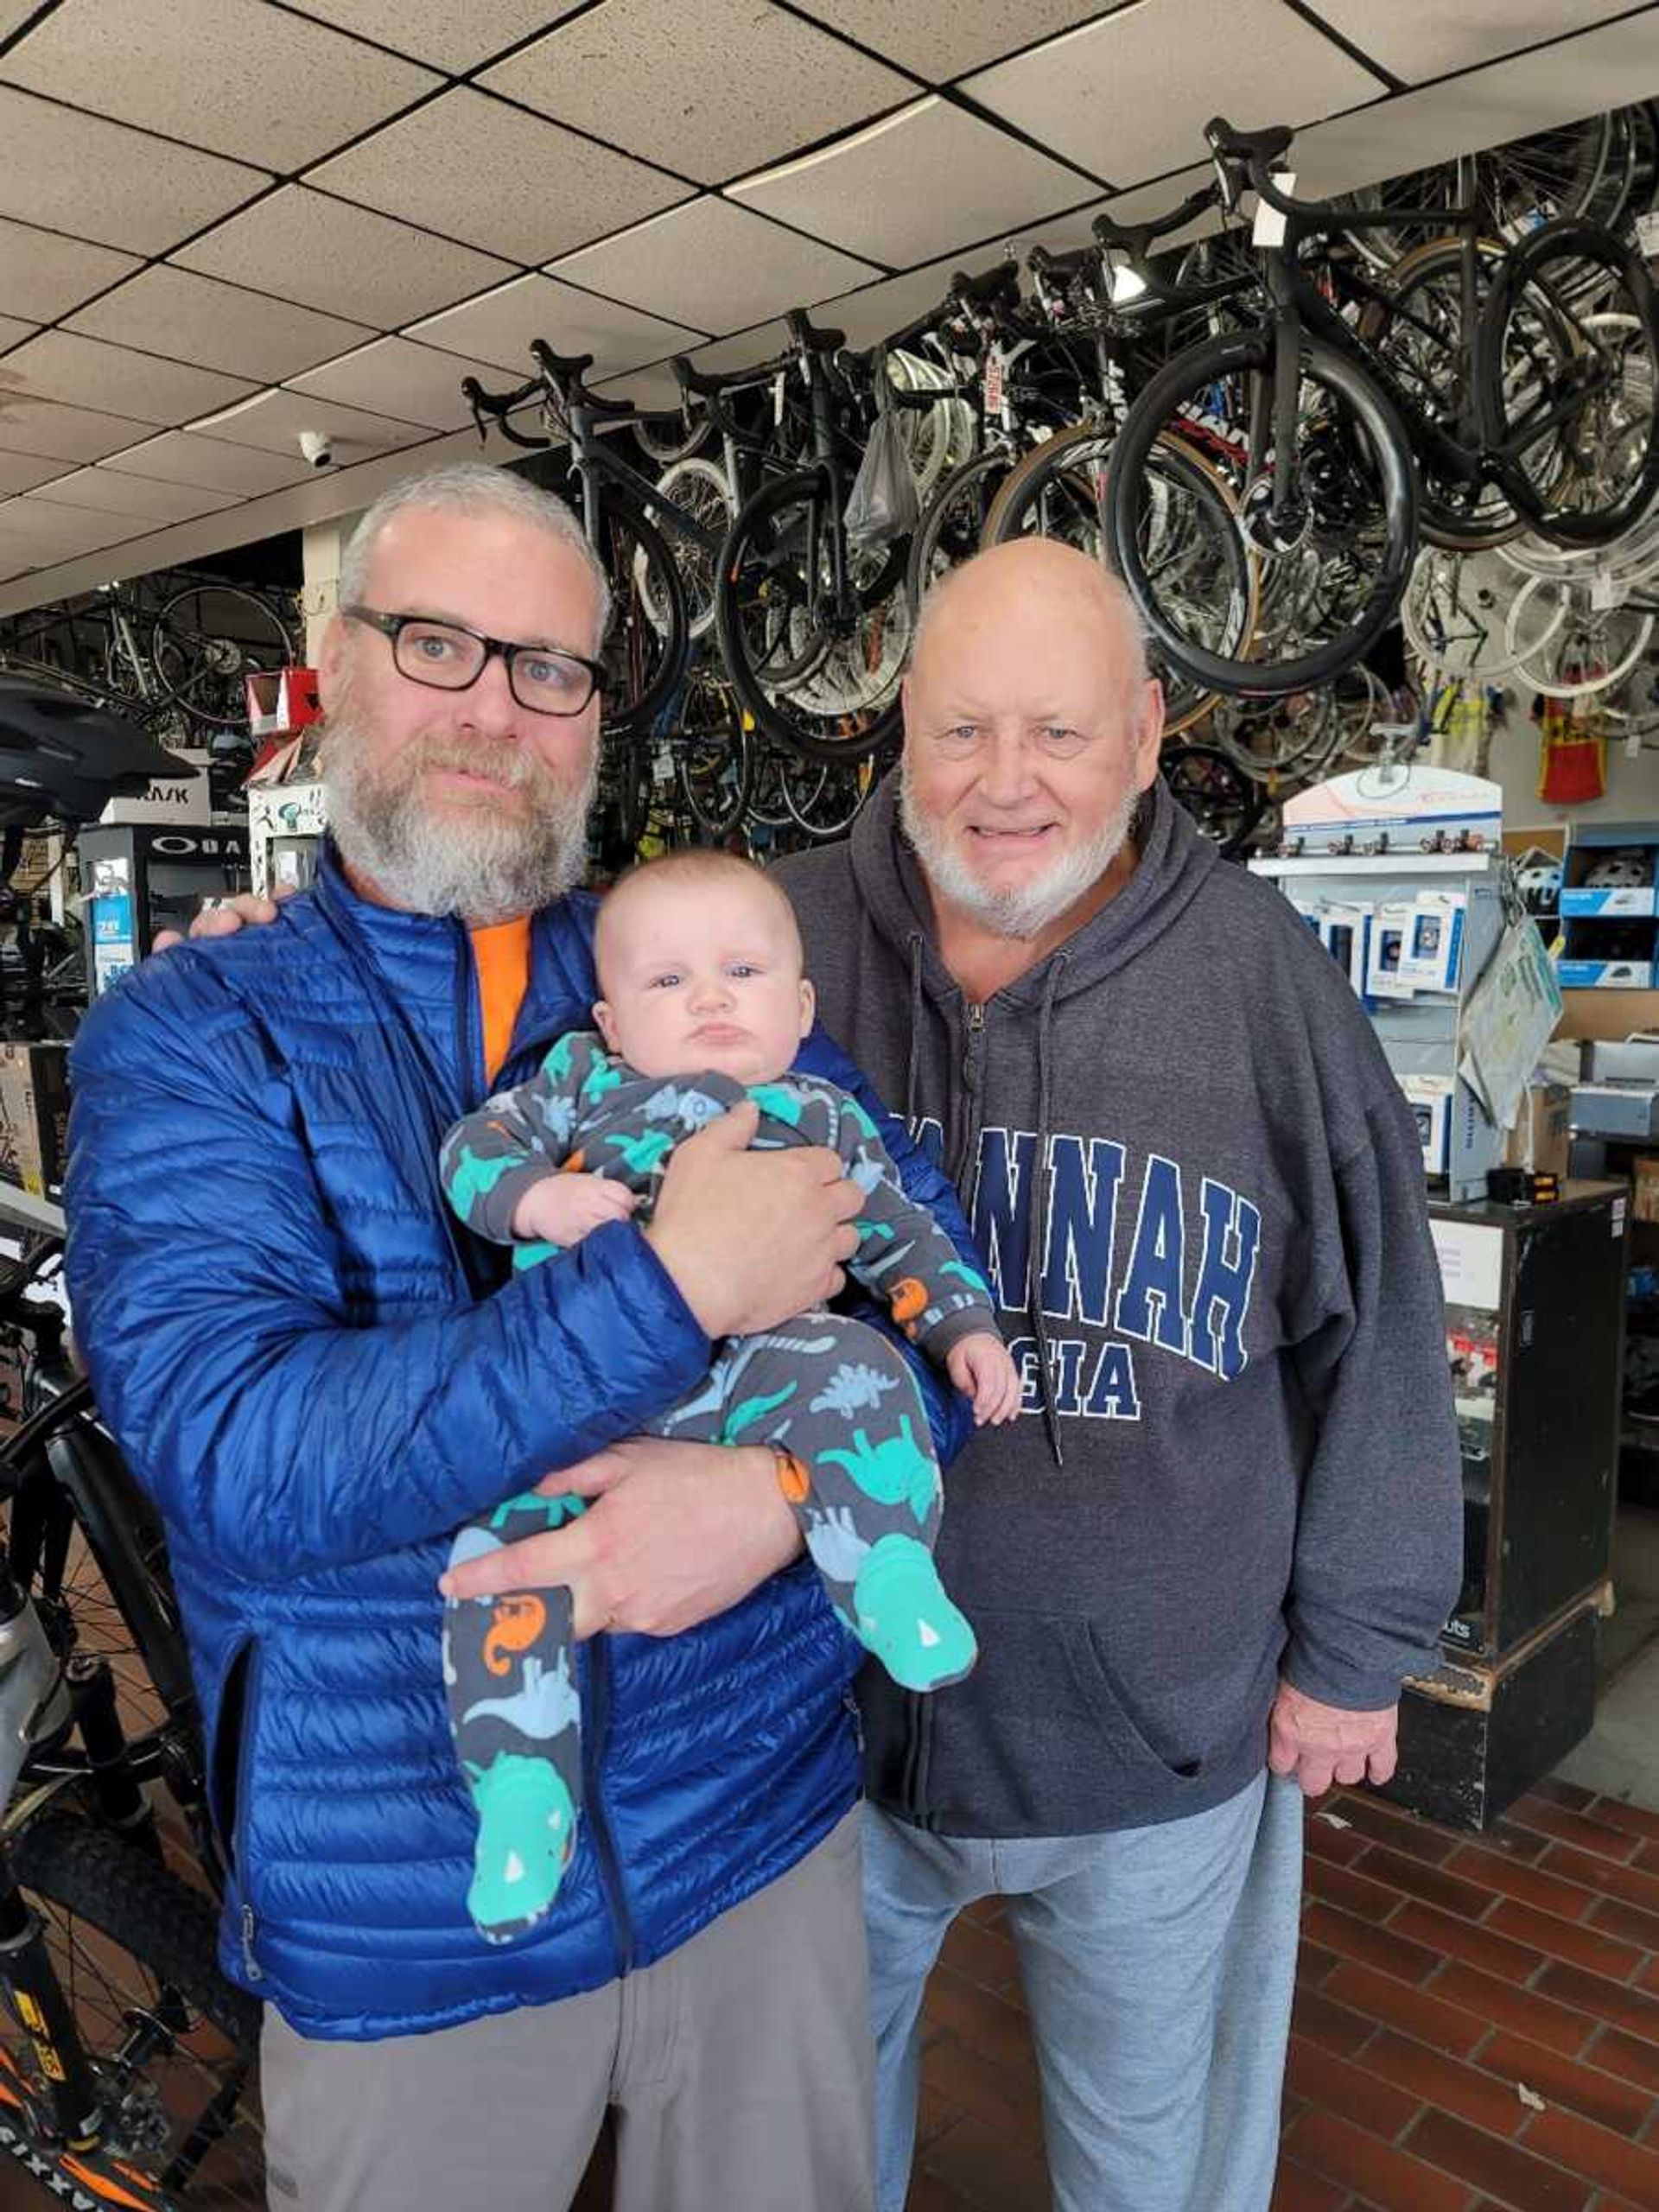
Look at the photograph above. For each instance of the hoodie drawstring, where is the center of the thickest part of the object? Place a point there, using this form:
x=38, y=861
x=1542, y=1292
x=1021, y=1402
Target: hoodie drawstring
x=1039, y=1217
x=913, y=1067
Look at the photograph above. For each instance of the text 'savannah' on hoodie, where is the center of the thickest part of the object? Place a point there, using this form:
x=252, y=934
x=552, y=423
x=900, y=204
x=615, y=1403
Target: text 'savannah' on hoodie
x=1199, y=1194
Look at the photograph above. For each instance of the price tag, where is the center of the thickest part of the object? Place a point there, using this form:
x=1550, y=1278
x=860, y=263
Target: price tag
x=777, y=399
x=1647, y=233
x=992, y=388
x=1270, y=226
x=1605, y=593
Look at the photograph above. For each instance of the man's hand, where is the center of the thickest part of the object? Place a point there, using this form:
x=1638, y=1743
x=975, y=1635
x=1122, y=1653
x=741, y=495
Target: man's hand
x=1323, y=1743
x=676, y=1533
x=752, y=1239
x=564, y=1209
x=246, y=908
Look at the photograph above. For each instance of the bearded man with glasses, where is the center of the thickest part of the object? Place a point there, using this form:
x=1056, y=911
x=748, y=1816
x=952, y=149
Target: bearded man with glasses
x=320, y=1376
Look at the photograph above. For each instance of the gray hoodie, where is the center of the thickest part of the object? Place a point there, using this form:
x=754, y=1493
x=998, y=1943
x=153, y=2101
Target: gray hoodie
x=1237, y=1454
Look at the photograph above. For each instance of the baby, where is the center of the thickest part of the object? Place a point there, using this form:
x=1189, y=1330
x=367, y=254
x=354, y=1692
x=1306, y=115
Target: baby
x=705, y=1006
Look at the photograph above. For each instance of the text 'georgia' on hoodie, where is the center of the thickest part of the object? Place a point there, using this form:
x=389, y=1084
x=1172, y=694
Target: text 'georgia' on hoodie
x=1198, y=1194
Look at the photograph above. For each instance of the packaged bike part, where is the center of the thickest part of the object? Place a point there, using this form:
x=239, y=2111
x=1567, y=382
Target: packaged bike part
x=1390, y=935
x=1346, y=934
x=35, y=1116
x=1434, y=950
x=885, y=503
x=1429, y=1097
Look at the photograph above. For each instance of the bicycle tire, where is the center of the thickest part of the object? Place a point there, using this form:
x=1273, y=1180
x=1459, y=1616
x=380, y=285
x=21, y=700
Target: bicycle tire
x=1583, y=687
x=1185, y=702
x=150, y=1920
x=201, y=669
x=700, y=487
x=1580, y=243
x=1215, y=791
x=753, y=557
x=943, y=539
x=648, y=644
x=1199, y=369
x=677, y=435
x=734, y=742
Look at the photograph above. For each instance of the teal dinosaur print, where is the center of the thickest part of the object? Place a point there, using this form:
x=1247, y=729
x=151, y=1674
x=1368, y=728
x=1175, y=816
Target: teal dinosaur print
x=532, y=1253
x=860, y=1120
x=646, y=1152
x=601, y=1078
x=895, y=1472
x=556, y=1512
x=779, y=1101
x=976, y=1283
x=747, y=1411
x=868, y=1229
x=557, y=1063
x=474, y=1179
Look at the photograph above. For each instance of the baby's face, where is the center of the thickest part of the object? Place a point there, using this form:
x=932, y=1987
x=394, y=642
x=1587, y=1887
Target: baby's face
x=702, y=975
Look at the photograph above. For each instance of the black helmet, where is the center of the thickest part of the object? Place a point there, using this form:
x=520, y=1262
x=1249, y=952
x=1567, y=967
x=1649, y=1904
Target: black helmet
x=63, y=757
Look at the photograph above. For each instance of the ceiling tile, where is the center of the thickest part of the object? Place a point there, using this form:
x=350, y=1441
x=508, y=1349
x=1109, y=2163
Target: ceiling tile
x=13, y=333
x=171, y=311
x=14, y=14
x=44, y=274
x=38, y=426
x=939, y=38
x=1418, y=39
x=1510, y=99
x=474, y=168
x=21, y=472
x=437, y=30
x=608, y=72
x=58, y=364
x=713, y=267
x=1130, y=97
x=422, y=385
x=646, y=388
x=107, y=491
x=65, y=530
x=76, y=173
x=231, y=75
x=328, y=253
x=274, y=421
x=880, y=192
x=497, y=330
x=180, y=458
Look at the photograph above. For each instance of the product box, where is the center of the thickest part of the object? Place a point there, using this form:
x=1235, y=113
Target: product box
x=1429, y=1097
x=1346, y=932
x=1615, y=883
x=1575, y=973
x=1434, y=947
x=186, y=799
x=1539, y=1139
x=282, y=700
x=35, y=1116
x=1391, y=932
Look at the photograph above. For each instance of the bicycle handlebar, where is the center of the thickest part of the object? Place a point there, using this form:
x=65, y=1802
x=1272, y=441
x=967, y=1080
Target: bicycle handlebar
x=1255, y=153
x=1134, y=238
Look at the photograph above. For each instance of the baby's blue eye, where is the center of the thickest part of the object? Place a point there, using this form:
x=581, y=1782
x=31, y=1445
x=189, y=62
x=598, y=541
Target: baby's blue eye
x=663, y=982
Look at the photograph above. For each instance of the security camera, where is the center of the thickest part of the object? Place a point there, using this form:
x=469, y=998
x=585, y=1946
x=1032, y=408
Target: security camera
x=318, y=448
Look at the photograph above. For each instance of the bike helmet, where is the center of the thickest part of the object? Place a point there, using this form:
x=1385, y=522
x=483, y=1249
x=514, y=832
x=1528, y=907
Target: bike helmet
x=1630, y=868
x=1541, y=884
x=63, y=757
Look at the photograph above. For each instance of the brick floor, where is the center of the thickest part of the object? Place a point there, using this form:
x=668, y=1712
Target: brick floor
x=1440, y=1974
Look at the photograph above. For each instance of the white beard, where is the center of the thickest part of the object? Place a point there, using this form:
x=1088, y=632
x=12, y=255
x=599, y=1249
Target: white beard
x=484, y=864
x=1024, y=909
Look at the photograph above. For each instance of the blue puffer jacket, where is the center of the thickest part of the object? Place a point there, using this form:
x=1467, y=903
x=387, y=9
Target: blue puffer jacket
x=318, y=1379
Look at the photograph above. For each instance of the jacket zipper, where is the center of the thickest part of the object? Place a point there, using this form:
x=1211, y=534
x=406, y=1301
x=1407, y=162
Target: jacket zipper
x=595, y=1729
x=235, y=1843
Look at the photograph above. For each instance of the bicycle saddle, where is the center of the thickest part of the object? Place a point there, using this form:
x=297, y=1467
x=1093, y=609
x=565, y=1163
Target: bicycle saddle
x=810, y=338
x=64, y=758
x=1265, y=146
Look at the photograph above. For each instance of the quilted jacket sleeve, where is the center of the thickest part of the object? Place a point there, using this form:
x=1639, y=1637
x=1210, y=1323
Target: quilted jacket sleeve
x=948, y=1412
x=205, y=1276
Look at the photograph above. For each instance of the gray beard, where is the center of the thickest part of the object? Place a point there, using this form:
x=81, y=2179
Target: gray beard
x=1028, y=910
x=484, y=865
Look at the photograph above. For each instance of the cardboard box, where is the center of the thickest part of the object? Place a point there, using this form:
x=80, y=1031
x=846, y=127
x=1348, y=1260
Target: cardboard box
x=282, y=700
x=1645, y=1189
x=35, y=1116
x=187, y=799
x=1539, y=1139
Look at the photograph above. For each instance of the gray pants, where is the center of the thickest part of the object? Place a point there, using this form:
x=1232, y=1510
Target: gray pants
x=740, y=2067
x=1157, y=1966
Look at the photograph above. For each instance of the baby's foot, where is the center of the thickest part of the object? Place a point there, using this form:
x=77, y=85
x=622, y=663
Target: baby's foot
x=526, y=1833
x=902, y=1614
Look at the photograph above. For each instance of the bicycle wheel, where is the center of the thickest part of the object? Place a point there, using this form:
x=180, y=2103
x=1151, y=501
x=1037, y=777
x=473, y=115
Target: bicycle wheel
x=713, y=756
x=949, y=530
x=823, y=801
x=1573, y=654
x=205, y=642
x=668, y=438
x=1530, y=181
x=1352, y=508
x=820, y=677
x=1211, y=787
x=1568, y=361
x=699, y=487
x=172, y=2042
x=1187, y=528
x=1417, y=336
x=649, y=641
x=1454, y=614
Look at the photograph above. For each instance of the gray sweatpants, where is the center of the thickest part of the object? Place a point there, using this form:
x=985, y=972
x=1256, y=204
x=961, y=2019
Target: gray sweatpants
x=740, y=2067
x=1158, y=1965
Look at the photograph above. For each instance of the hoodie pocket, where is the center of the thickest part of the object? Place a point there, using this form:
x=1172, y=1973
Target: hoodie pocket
x=1116, y=1723
x=230, y=1736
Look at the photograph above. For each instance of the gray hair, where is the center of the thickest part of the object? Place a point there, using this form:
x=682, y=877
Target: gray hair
x=472, y=487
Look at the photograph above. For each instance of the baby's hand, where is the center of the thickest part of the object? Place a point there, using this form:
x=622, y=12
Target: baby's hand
x=564, y=1209
x=982, y=1370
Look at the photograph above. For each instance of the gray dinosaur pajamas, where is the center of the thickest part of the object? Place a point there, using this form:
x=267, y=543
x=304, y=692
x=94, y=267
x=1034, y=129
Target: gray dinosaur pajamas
x=832, y=1396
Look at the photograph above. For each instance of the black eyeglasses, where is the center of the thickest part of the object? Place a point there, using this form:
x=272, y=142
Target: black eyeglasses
x=449, y=658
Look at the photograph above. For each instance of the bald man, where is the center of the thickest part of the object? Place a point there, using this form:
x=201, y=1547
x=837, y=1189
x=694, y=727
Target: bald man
x=1228, y=1519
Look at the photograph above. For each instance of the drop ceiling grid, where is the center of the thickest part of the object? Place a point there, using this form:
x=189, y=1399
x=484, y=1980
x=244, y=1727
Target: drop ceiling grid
x=134, y=174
